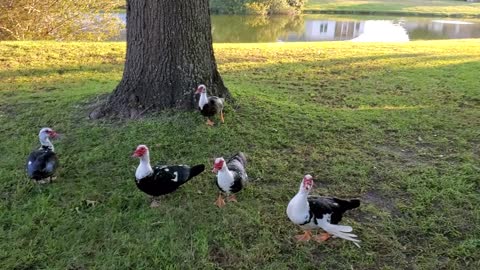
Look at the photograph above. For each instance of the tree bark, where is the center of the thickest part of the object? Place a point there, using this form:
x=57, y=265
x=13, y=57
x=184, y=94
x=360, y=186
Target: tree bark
x=169, y=53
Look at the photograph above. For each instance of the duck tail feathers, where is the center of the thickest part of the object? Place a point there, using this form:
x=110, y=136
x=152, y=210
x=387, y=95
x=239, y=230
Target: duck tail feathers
x=341, y=231
x=196, y=170
x=242, y=158
x=347, y=204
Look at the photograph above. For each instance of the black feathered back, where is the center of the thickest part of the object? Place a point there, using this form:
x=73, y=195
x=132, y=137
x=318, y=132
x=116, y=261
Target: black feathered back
x=41, y=163
x=320, y=206
x=166, y=179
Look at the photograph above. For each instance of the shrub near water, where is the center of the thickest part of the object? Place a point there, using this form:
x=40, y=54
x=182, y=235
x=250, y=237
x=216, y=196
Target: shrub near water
x=257, y=7
x=59, y=20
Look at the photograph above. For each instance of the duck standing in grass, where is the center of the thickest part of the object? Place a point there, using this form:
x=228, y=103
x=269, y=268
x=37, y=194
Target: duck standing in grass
x=209, y=105
x=317, y=212
x=161, y=179
x=42, y=163
x=231, y=176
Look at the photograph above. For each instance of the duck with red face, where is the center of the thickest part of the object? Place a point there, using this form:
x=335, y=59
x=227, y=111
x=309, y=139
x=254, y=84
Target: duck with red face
x=209, y=105
x=42, y=163
x=312, y=212
x=231, y=176
x=161, y=179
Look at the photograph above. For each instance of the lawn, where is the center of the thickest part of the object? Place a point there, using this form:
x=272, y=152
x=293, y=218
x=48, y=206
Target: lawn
x=401, y=7
x=396, y=125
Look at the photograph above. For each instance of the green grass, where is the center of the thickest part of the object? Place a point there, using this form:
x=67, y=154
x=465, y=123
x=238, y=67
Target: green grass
x=401, y=7
x=395, y=125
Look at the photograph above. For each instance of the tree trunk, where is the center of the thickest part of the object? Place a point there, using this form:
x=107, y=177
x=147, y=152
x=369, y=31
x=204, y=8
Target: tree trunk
x=169, y=53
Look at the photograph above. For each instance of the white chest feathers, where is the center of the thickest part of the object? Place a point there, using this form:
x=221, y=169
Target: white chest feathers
x=203, y=100
x=298, y=209
x=225, y=179
x=143, y=170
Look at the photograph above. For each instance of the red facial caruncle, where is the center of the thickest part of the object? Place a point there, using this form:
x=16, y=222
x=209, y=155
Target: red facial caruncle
x=201, y=89
x=308, y=181
x=140, y=151
x=218, y=165
x=51, y=133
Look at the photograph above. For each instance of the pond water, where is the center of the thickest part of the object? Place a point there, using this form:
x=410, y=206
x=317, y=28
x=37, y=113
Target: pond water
x=228, y=28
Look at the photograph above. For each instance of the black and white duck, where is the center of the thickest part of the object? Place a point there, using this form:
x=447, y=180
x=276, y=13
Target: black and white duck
x=312, y=212
x=231, y=177
x=209, y=105
x=42, y=163
x=161, y=179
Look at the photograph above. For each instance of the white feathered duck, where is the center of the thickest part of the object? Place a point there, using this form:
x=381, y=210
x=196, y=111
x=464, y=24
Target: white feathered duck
x=312, y=212
x=42, y=163
x=209, y=105
x=231, y=176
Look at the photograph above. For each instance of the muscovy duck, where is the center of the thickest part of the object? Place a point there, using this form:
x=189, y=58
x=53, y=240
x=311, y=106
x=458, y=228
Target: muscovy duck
x=314, y=212
x=231, y=176
x=209, y=105
x=42, y=163
x=161, y=179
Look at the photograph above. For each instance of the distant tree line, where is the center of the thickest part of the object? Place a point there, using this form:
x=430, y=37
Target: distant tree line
x=257, y=7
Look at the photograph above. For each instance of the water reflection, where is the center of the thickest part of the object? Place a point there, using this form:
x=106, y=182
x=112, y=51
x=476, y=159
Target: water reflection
x=227, y=28
x=394, y=30
x=254, y=28
x=383, y=31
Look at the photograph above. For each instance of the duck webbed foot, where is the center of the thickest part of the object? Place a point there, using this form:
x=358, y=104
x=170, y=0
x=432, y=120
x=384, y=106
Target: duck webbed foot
x=155, y=202
x=210, y=122
x=220, y=202
x=232, y=198
x=322, y=237
x=221, y=117
x=306, y=236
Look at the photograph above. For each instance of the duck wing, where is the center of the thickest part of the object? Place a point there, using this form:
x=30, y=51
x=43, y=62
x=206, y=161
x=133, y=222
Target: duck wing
x=216, y=102
x=41, y=164
x=331, y=206
x=177, y=173
x=328, y=212
x=214, y=106
x=236, y=164
x=166, y=179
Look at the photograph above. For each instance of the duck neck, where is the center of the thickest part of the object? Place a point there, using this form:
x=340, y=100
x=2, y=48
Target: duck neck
x=144, y=168
x=302, y=194
x=225, y=173
x=45, y=142
x=203, y=100
x=301, y=198
x=225, y=178
x=224, y=168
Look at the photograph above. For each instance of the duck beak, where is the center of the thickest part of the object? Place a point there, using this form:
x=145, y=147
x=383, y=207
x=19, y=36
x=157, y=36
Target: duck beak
x=53, y=135
x=215, y=170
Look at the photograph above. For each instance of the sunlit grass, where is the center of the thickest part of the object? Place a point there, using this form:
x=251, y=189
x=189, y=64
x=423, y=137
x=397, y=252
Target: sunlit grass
x=438, y=7
x=393, y=124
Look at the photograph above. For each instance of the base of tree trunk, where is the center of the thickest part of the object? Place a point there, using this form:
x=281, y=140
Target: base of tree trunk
x=118, y=105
